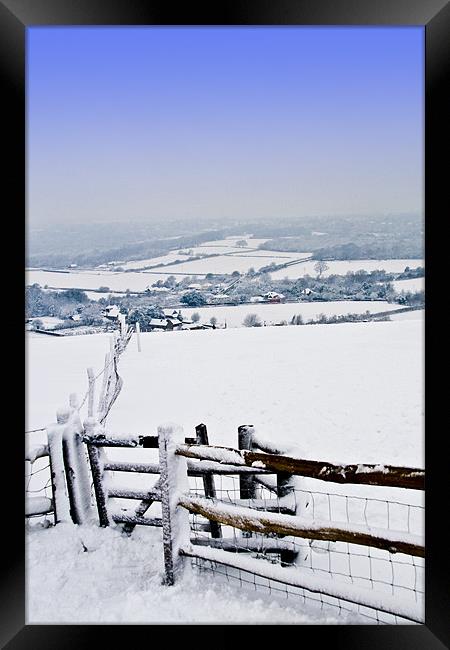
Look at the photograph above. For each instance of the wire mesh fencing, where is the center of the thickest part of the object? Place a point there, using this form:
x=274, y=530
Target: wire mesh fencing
x=40, y=506
x=38, y=492
x=397, y=574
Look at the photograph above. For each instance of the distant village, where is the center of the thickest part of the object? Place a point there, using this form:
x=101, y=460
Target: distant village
x=161, y=305
x=150, y=318
x=173, y=320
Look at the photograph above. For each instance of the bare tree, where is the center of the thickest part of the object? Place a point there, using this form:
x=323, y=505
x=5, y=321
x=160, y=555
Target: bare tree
x=320, y=267
x=195, y=317
x=252, y=320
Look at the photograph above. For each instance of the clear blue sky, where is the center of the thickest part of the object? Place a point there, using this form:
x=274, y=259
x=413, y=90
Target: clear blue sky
x=149, y=123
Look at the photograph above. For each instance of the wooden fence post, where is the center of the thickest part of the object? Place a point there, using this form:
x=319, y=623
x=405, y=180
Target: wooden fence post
x=122, y=326
x=96, y=463
x=91, y=389
x=285, y=487
x=101, y=398
x=173, y=483
x=138, y=336
x=208, y=479
x=61, y=501
x=76, y=466
x=247, y=485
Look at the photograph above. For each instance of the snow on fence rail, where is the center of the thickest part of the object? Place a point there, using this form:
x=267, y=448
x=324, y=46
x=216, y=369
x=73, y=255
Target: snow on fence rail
x=256, y=514
x=253, y=514
x=366, y=565
x=65, y=493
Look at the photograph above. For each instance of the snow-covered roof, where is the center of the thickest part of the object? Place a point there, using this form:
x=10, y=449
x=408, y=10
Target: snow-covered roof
x=157, y=322
x=111, y=311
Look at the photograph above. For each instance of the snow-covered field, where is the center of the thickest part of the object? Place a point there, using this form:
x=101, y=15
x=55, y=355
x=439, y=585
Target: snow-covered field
x=95, y=279
x=313, y=387
x=230, y=242
x=342, y=267
x=415, y=284
x=233, y=315
x=230, y=263
x=416, y=314
x=153, y=261
x=350, y=392
x=220, y=249
x=53, y=371
x=239, y=260
x=49, y=322
x=344, y=393
x=276, y=255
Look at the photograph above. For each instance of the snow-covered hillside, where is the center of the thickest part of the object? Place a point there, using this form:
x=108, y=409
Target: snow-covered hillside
x=351, y=392
x=346, y=393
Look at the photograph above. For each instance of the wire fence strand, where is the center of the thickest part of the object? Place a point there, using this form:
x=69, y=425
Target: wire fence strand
x=398, y=574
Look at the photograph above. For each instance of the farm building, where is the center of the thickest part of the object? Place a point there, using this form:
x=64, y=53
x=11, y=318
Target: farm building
x=166, y=324
x=273, y=296
x=111, y=312
x=270, y=296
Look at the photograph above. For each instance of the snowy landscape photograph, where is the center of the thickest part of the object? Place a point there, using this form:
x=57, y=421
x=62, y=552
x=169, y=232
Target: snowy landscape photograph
x=224, y=328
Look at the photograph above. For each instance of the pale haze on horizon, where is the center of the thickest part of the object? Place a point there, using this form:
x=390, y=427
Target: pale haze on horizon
x=149, y=123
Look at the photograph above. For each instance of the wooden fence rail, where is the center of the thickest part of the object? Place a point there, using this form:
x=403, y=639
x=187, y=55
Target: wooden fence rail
x=65, y=448
x=266, y=524
x=385, y=475
x=384, y=602
x=248, y=519
x=274, y=525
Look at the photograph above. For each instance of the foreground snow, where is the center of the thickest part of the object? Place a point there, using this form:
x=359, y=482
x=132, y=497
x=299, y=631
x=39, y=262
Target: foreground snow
x=343, y=393
x=91, y=575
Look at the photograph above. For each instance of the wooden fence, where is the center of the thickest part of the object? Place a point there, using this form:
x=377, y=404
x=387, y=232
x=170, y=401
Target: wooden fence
x=267, y=526
x=274, y=522
x=70, y=481
x=277, y=523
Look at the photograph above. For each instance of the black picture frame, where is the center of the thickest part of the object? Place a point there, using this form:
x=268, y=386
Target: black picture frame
x=15, y=17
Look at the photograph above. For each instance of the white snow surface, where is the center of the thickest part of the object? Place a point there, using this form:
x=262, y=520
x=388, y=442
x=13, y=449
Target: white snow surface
x=118, y=580
x=230, y=263
x=344, y=393
x=116, y=281
x=414, y=284
x=341, y=267
x=350, y=393
x=416, y=314
x=49, y=322
x=230, y=242
x=234, y=315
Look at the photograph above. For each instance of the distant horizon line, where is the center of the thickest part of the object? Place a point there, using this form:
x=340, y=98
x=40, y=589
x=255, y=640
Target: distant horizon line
x=244, y=220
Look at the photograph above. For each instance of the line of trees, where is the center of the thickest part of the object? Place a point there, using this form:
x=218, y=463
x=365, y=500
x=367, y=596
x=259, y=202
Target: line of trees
x=253, y=320
x=357, y=285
